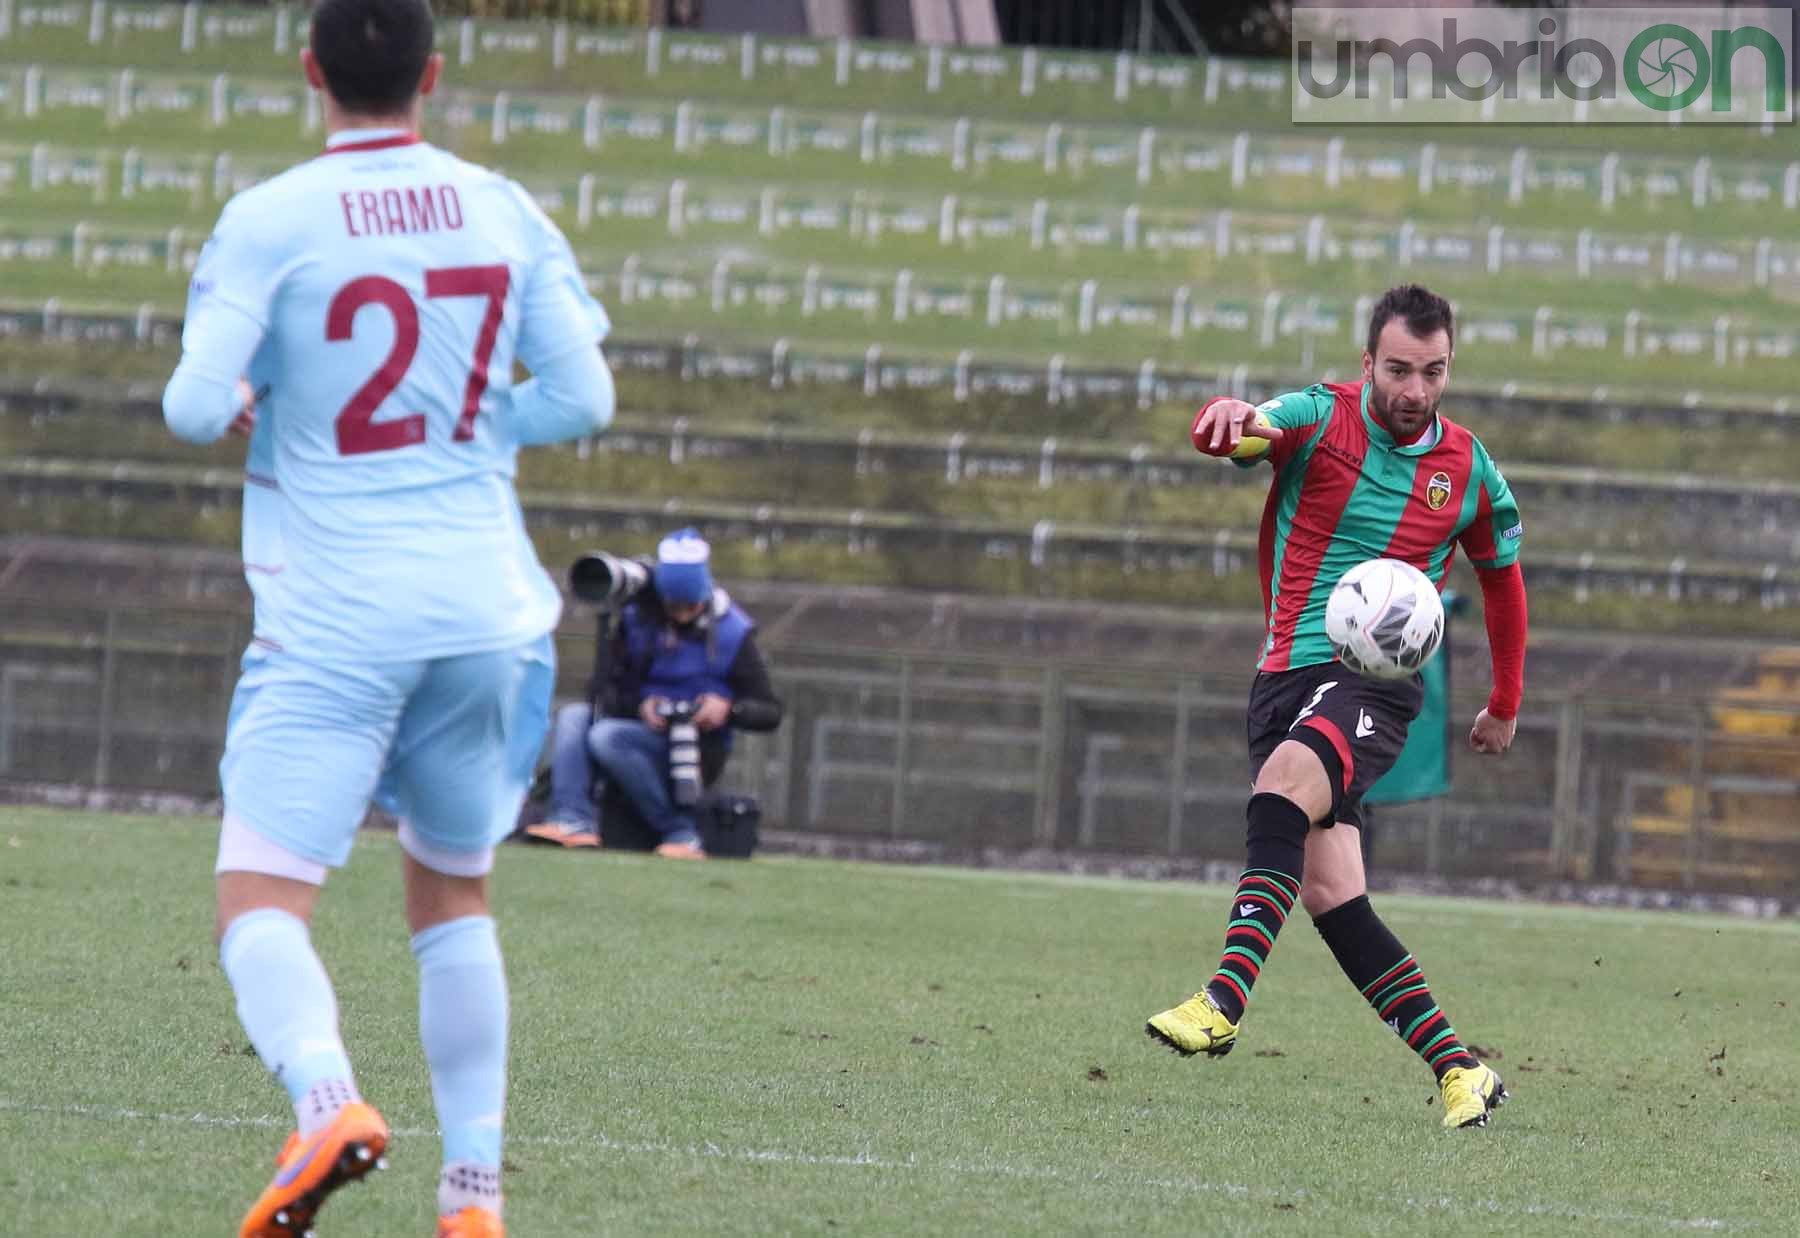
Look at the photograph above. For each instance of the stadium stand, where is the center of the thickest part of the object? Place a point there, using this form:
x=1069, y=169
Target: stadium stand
x=740, y=150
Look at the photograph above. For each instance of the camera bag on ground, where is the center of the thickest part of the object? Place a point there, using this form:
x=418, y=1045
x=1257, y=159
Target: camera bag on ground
x=728, y=824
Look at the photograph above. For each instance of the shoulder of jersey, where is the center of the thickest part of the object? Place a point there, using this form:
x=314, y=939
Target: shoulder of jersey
x=1457, y=433
x=304, y=177
x=477, y=176
x=465, y=167
x=1317, y=392
x=277, y=187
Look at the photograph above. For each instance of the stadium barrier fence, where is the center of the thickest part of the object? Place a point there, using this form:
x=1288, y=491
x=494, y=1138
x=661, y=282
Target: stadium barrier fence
x=1020, y=754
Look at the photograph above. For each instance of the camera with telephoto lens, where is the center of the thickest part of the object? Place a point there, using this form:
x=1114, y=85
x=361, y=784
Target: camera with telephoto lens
x=684, y=752
x=606, y=580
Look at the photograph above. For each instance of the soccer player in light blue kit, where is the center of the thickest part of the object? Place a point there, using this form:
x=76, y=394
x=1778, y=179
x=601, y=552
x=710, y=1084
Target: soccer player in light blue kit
x=359, y=317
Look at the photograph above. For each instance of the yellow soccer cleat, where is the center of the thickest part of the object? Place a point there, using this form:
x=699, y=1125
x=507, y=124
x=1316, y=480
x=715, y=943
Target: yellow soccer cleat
x=1195, y=1026
x=308, y=1170
x=1470, y=1095
x=471, y=1222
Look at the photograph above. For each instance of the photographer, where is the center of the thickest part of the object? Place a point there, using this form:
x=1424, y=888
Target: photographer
x=680, y=654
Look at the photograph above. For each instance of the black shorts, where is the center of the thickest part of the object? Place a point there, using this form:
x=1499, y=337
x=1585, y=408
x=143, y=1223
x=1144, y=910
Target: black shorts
x=1364, y=719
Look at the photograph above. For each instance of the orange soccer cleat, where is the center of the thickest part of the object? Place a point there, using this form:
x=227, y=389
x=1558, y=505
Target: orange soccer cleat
x=471, y=1222
x=308, y=1170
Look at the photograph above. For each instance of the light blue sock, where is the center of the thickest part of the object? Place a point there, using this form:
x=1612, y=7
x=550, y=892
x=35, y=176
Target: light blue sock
x=463, y=1024
x=285, y=1002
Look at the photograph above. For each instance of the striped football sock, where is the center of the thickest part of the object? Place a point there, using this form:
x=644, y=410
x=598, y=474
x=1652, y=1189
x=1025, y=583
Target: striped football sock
x=1392, y=983
x=1258, y=910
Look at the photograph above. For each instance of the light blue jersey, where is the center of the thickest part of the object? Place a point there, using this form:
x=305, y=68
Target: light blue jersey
x=381, y=294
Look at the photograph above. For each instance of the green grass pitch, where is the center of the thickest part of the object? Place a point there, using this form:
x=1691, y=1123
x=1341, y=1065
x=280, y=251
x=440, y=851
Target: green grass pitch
x=807, y=1047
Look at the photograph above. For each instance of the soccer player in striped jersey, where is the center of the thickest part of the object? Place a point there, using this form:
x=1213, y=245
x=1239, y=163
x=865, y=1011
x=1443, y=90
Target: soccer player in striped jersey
x=378, y=296
x=1362, y=470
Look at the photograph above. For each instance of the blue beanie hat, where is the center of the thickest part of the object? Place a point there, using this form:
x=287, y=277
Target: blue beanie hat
x=681, y=575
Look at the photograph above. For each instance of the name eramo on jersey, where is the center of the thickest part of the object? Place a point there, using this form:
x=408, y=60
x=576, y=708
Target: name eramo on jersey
x=387, y=212
x=401, y=212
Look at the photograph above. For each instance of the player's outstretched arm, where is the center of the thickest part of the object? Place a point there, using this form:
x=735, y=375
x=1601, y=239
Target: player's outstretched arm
x=1503, y=604
x=1227, y=427
x=568, y=397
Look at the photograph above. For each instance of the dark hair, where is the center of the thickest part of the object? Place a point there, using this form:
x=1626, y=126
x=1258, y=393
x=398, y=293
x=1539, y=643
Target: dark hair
x=1424, y=311
x=372, y=52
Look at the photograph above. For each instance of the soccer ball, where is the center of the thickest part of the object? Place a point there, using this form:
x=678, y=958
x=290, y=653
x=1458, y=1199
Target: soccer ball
x=1384, y=618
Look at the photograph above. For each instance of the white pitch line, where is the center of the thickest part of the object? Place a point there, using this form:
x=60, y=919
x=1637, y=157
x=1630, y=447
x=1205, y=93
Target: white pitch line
x=1459, y=1205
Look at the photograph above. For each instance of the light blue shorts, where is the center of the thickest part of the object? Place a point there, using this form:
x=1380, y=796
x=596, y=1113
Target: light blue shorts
x=447, y=745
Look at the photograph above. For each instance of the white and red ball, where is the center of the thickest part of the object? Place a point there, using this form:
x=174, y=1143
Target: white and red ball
x=1384, y=619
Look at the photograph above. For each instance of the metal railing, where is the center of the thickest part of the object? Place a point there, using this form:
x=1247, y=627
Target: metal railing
x=1033, y=754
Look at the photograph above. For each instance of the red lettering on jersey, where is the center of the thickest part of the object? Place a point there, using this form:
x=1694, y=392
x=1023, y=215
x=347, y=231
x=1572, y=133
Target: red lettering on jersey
x=421, y=211
x=371, y=212
x=393, y=214
x=399, y=212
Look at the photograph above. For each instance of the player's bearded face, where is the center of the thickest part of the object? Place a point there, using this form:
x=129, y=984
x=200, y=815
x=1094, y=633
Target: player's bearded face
x=1406, y=379
x=1402, y=411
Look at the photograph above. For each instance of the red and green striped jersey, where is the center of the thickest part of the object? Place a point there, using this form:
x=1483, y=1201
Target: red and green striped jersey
x=1345, y=491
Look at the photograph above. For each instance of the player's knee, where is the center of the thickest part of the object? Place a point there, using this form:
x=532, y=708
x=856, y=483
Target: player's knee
x=443, y=885
x=1273, y=817
x=1334, y=870
x=1324, y=892
x=1298, y=772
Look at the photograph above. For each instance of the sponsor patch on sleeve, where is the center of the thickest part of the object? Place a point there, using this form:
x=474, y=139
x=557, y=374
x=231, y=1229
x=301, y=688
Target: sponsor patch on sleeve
x=1269, y=406
x=1508, y=535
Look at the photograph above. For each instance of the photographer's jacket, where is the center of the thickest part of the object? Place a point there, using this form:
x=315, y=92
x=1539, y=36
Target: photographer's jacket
x=645, y=654
x=680, y=668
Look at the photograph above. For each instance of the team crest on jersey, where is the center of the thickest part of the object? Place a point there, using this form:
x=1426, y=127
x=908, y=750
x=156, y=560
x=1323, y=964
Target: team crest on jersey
x=1437, y=490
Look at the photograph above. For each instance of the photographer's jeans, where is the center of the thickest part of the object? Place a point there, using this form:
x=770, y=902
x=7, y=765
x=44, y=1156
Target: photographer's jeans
x=571, y=769
x=637, y=760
